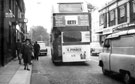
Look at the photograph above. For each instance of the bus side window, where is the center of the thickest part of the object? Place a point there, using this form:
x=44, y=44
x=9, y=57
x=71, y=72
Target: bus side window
x=106, y=43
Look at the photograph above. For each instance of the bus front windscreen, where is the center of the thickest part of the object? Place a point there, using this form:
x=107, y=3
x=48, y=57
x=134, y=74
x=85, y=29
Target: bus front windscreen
x=74, y=36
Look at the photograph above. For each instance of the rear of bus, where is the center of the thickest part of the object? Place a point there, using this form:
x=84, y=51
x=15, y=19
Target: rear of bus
x=75, y=46
x=72, y=21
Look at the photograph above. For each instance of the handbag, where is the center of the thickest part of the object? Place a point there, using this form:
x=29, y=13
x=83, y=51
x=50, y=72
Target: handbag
x=32, y=54
x=20, y=55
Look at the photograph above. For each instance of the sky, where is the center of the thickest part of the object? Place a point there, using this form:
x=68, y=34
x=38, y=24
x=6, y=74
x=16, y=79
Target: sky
x=38, y=12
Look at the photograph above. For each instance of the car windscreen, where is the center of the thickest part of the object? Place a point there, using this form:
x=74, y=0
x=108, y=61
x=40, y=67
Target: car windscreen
x=72, y=36
x=42, y=45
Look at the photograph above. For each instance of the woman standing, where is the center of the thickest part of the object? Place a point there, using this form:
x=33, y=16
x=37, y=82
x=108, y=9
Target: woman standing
x=26, y=51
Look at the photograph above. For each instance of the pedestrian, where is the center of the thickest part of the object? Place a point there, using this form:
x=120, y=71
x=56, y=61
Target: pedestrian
x=36, y=50
x=26, y=52
x=18, y=49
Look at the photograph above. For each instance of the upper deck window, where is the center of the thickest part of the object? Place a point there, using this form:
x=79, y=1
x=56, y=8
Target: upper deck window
x=70, y=7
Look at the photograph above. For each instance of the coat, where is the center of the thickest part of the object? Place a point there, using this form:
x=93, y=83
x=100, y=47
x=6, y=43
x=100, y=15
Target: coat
x=36, y=48
x=18, y=46
x=26, y=53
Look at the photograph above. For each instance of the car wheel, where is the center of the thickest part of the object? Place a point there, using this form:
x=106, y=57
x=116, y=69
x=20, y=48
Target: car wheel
x=127, y=78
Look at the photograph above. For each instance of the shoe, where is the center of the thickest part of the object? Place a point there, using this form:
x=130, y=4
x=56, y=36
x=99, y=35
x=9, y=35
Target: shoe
x=28, y=69
x=24, y=68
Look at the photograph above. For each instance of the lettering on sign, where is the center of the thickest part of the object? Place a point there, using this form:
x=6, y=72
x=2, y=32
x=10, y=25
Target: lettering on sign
x=74, y=49
x=120, y=27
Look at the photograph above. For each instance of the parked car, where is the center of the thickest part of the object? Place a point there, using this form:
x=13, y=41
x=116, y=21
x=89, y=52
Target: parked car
x=43, y=49
x=95, y=48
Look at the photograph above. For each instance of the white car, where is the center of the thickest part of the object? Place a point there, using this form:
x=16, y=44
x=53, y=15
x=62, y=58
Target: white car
x=43, y=49
x=95, y=48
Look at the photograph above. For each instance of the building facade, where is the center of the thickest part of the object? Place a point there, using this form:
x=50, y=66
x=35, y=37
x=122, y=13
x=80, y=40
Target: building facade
x=116, y=16
x=12, y=27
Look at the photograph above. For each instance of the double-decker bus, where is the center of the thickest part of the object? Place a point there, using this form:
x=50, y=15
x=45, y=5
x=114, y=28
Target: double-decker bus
x=70, y=35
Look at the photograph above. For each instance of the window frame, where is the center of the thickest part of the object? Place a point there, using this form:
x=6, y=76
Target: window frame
x=123, y=18
x=103, y=19
x=112, y=21
x=66, y=39
x=70, y=8
x=132, y=11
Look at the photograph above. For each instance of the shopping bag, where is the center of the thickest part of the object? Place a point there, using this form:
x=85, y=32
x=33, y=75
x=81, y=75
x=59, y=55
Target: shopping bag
x=20, y=55
x=32, y=54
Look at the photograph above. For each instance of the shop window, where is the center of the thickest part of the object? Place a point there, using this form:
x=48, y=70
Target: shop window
x=103, y=20
x=122, y=16
x=132, y=10
x=112, y=18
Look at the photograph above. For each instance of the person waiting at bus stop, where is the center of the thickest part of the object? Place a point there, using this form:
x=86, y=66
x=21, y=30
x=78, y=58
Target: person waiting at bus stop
x=36, y=50
x=18, y=49
x=26, y=52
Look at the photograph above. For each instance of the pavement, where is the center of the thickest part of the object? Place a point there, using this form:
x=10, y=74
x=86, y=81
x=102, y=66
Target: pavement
x=13, y=73
x=39, y=75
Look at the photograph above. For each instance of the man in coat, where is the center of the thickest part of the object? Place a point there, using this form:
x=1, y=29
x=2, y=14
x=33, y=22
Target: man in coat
x=18, y=49
x=36, y=50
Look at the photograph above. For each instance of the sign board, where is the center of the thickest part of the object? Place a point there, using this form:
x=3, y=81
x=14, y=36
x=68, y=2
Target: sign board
x=21, y=20
x=71, y=20
x=85, y=36
x=59, y=20
x=9, y=15
x=107, y=30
